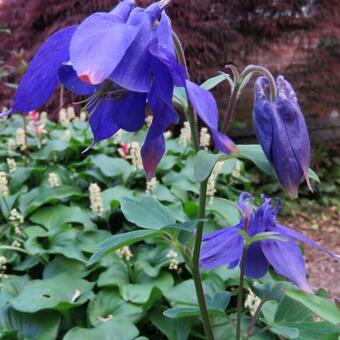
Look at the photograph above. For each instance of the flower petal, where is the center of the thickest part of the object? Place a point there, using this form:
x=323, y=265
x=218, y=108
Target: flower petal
x=160, y=101
x=129, y=113
x=123, y=9
x=70, y=80
x=101, y=121
x=256, y=263
x=99, y=45
x=154, y=146
x=133, y=71
x=223, y=247
x=286, y=259
x=282, y=133
x=285, y=230
x=205, y=105
x=162, y=48
x=293, y=120
x=41, y=77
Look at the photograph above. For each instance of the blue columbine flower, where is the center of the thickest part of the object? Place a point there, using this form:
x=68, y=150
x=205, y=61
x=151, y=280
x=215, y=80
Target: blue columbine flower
x=121, y=60
x=282, y=132
x=225, y=247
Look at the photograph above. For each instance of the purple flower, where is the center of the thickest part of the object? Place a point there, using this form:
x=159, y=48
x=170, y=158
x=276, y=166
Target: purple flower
x=225, y=247
x=121, y=60
x=282, y=133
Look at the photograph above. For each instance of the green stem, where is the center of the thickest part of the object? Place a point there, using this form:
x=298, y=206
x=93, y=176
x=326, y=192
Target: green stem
x=192, y=119
x=240, y=294
x=254, y=318
x=196, y=259
x=230, y=109
x=190, y=114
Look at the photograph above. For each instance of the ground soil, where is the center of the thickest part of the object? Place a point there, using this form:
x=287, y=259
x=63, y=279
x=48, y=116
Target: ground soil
x=323, y=226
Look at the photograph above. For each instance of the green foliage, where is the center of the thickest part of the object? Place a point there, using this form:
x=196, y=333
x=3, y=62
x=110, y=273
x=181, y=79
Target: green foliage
x=117, y=269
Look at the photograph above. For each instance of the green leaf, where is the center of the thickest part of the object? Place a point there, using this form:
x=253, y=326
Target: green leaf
x=52, y=147
x=214, y=81
x=266, y=235
x=146, y=212
x=52, y=217
x=61, y=264
x=226, y=209
x=112, y=167
x=119, y=241
x=147, y=293
x=180, y=97
x=317, y=304
x=270, y=289
x=116, y=328
x=313, y=175
x=43, y=195
x=173, y=329
x=293, y=320
x=254, y=153
x=204, y=164
x=181, y=312
x=113, y=196
x=30, y=326
x=60, y=292
x=116, y=275
x=108, y=303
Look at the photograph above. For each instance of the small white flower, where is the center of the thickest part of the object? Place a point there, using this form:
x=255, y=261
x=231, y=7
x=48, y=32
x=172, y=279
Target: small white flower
x=151, y=185
x=20, y=138
x=211, y=186
x=95, y=199
x=82, y=116
x=16, y=244
x=174, y=264
x=11, y=145
x=54, y=180
x=71, y=115
x=136, y=158
x=185, y=135
x=167, y=134
x=16, y=219
x=252, y=302
x=148, y=120
x=63, y=117
x=12, y=165
x=237, y=170
x=4, y=191
x=43, y=117
x=204, y=138
x=124, y=253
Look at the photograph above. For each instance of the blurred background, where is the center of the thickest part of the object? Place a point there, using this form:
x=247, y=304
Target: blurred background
x=297, y=38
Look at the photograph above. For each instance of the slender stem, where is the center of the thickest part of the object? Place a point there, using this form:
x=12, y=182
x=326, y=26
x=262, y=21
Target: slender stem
x=230, y=109
x=190, y=114
x=192, y=118
x=255, y=316
x=196, y=259
x=180, y=52
x=240, y=294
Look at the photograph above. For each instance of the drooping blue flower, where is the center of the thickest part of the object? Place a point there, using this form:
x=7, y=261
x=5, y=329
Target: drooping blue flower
x=225, y=247
x=282, y=133
x=122, y=60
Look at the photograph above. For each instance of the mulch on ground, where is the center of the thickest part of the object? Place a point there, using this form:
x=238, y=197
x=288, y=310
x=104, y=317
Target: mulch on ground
x=323, y=226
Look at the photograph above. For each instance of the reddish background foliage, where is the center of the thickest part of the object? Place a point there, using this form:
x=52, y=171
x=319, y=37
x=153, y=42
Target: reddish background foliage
x=214, y=33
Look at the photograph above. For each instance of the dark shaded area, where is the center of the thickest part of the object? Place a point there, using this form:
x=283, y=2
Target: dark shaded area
x=214, y=33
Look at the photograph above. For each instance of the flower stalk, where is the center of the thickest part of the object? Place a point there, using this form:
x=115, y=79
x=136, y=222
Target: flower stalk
x=192, y=119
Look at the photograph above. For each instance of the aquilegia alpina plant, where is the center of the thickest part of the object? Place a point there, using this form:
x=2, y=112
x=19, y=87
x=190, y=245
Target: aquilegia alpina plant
x=128, y=59
x=226, y=246
x=121, y=60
